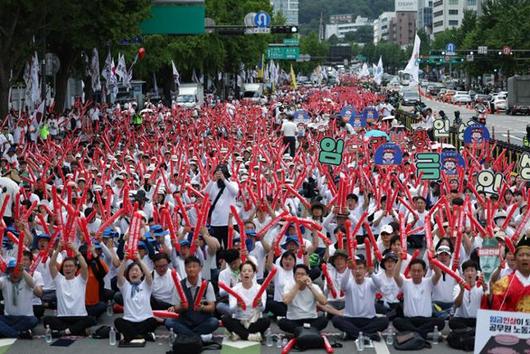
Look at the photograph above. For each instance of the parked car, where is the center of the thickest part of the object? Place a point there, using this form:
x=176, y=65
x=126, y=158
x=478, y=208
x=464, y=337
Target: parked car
x=410, y=98
x=461, y=97
x=434, y=88
x=448, y=95
x=482, y=98
x=441, y=93
x=500, y=103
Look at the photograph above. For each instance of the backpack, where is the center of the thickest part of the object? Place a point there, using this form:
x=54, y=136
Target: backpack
x=410, y=341
x=308, y=338
x=192, y=345
x=187, y=344
x=463, y=339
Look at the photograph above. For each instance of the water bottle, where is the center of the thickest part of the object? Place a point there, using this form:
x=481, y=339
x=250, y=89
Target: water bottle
x=110, y=312
x=390, y=336
x=112, y=336
x=435, y=335
x=360, y=342
x=171, y=337
x=268, y=338
x=48, y=335
x=279, y=341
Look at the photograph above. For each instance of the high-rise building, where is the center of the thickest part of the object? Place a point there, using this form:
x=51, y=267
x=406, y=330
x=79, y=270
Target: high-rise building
x=382, y=27
x=449, y=14
x=288, y=9
x=424, y=17
x=340, y=29
x=402, y=29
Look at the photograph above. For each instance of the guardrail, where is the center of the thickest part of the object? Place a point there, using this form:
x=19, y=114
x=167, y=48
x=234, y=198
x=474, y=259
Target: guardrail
x=513, y=152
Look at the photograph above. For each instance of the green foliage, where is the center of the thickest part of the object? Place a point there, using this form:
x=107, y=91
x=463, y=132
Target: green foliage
x=318, y=50
x=364, y=34
x=394, y=58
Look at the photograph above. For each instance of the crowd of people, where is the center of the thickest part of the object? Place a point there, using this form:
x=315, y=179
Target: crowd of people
x=225, y=215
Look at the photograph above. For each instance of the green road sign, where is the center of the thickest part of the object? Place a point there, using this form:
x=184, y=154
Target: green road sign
x=291, y=41
x=174, y=18
x=282, y=52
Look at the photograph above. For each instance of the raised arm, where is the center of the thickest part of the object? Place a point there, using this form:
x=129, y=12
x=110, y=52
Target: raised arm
x=53, y=262
x=83, y=267
x=397, y=273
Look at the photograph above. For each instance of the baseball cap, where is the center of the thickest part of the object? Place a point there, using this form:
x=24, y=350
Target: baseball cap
x=387, y=229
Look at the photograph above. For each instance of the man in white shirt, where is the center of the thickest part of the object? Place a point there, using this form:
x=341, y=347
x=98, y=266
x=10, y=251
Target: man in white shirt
x=301, y=298
x=467, y=302
x=17, y=289
x=288, y=130
x=163, y=293
x=359, y=311
x=222, y=193
x=417, y=299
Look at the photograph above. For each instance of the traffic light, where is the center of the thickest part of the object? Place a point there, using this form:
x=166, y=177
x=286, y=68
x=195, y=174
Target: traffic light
x=284, y=29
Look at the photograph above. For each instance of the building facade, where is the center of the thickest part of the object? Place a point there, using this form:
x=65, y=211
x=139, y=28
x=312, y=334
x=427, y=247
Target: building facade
x=342, y=18
x=382, y=27
x=340, y=29
x=424, y=17
x=402, y=30
x=449, y=14
x=288, y=9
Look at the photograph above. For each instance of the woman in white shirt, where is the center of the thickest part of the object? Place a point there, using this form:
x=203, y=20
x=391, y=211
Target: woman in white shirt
x=135, y=284
x=72, y=317
x=248, y=324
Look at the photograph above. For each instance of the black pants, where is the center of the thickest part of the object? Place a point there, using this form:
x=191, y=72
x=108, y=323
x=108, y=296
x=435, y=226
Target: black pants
x=290, y=141
x=76, y=324
x=391, y=310
x=278, y=309
x=221, y=234
x=38, y=311
x=159, y=305
x=132, y=330
x=462, y=322
x=289, y=326
x=353, y=325
x=96, y=310
x=234, y=325
x=422, y=325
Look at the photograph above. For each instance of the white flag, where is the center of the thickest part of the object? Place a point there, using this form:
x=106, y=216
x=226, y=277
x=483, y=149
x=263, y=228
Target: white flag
x=35, y=84
x=378, y=74
x=176, y=75
x=107, y=70
x=121, y=69
x=364, y=71
x=413, y=66
x=94, y=71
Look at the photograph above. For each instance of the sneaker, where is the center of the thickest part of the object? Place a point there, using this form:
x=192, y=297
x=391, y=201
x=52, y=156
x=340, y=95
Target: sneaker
x=234, y=337
x=254, y=337
x=206, y=338
x=150, y=337
x=25, y=334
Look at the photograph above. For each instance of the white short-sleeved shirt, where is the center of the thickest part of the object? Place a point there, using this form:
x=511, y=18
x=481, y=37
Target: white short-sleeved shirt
x=304, y=304
x=70, y=296
x=470, y=301
x=38, y=282
x=248, y=296
x=360, y=298
x=18, y=297
x=283, y=277
x=388, y=287
x=417, y=298
x=164, y=288
x=443, y=290
x=136, y=303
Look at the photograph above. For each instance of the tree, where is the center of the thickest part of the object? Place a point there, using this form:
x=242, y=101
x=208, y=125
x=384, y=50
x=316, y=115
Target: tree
x=364, y=34
x=20, y=23
x=76, y=27
x=310, y=44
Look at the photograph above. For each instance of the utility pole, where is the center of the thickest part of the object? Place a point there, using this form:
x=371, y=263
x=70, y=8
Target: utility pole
x=321, y=30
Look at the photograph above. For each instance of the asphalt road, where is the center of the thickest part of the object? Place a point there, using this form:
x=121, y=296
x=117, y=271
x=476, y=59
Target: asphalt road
x=504, y=127
x=93, y=346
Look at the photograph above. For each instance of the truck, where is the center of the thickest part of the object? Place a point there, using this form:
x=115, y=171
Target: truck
x=190, y=95
x=518, y=95
x=253, y=92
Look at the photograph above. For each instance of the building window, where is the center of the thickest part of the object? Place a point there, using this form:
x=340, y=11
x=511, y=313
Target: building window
x=438, y=3
x=453, y=22
x=453, y=12
x=438, y=24
x=438, y=13
x=471, y=2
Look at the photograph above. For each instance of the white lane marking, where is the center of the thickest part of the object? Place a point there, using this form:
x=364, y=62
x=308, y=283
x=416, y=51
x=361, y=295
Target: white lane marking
x=380, y=347
x=512, y=137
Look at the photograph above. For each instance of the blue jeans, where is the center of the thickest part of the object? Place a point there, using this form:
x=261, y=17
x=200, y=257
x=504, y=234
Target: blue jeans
x=188, y=328
x=11, y=326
